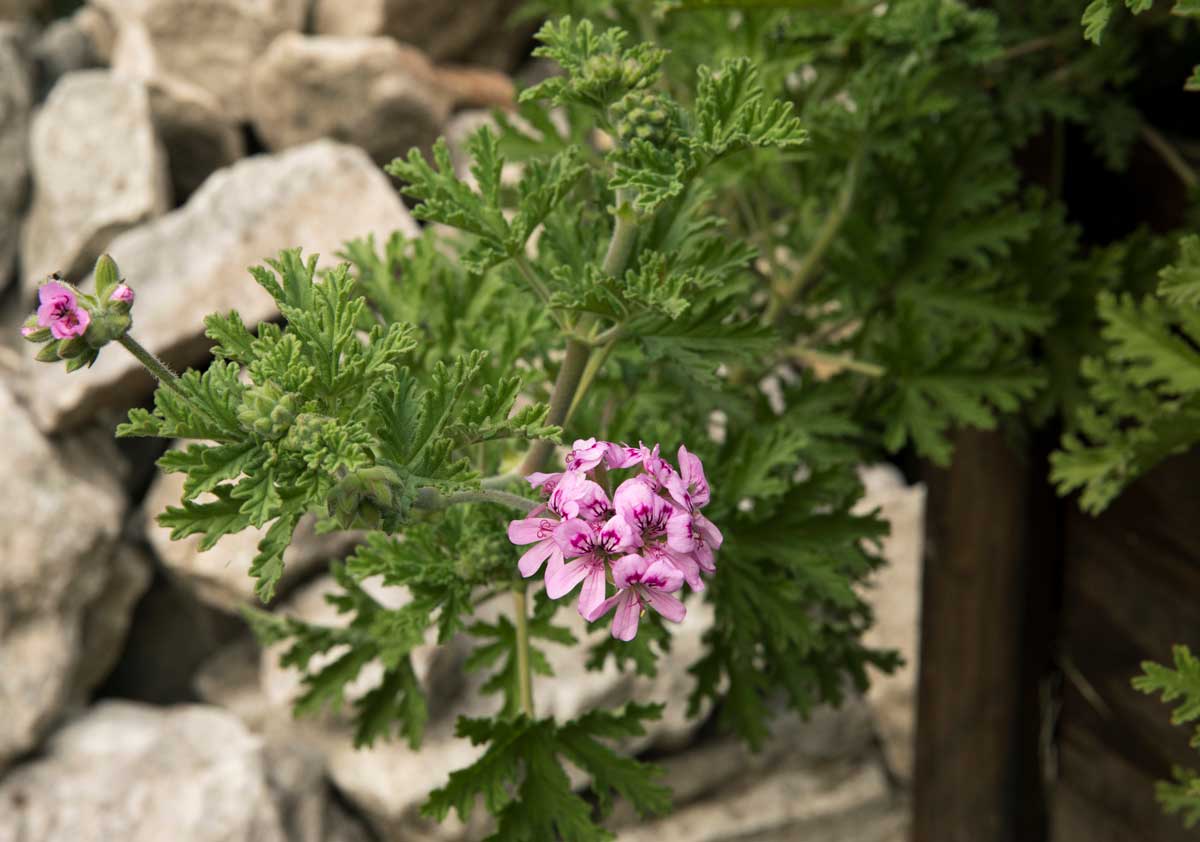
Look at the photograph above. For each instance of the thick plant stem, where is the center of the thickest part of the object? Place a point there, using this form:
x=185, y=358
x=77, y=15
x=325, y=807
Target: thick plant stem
x=152, y=363
x=624, y=235
x=561, y=398
x=524, y=674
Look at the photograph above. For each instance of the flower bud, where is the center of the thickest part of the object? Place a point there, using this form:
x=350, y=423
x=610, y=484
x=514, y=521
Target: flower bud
x=121, y=299
x=73, y=347
x=108, y=277
x=267, y=410
x=107, y=325
x=48, y=353
x=31, y=331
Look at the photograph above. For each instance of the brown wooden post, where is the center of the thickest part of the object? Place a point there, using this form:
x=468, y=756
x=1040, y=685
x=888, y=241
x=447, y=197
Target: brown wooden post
x=977, y=776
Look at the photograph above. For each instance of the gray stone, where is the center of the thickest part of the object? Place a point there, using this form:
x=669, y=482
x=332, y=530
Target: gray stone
x=193, y=261
x=16, y=104
x=895, y=596
x=211, y=44
x=142, y=774
x=65, y=46
x=198, y=137
x=479, y=31
x=371, y=92
x=98, y=170
x=221, y=577
x=67, y=584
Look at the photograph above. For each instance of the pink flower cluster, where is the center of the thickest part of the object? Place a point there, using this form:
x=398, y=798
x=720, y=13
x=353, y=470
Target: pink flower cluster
x=646, y=539
x=60, y=311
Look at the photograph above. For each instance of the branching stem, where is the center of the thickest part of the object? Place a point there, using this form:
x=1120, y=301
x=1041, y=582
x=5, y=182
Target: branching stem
x=152, y=363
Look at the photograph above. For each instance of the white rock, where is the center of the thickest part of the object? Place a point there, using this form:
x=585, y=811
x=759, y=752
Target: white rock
x=221, y=577
x=476, y=30
x=371, y=92
x=895, y=596
x=211, y=44
x=65, y=46
x=142, y=774
x=98, y=170
x=16, y=104
x=840, y=802
x=193, y=261
x=67, y=586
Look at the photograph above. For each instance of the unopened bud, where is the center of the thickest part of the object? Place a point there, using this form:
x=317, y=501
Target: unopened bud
x=108, y=277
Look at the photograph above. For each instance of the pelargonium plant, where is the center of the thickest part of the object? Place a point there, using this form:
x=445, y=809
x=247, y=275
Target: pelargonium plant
x=421, y=389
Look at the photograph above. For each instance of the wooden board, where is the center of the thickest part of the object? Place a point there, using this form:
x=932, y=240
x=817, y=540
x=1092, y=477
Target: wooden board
x=1131, y=589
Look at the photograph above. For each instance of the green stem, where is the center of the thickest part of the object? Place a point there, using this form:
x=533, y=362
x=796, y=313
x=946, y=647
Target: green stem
x=569, y=374
x=530, y=276
x=786, y=291
x=152, y=363
x=432, y=500
x=524, y=674
x=624, y=235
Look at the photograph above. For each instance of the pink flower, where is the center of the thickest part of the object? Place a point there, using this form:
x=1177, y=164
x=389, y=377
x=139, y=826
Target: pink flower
x=537, y=529
x=657, y=469
x=577, y=496
x=586, y=454
x=123, y=294
x=590, y=545
x=60, y=312
x=619, y=456
x=689, y=487
x=650, y=515
x=640, y=583
x=546, y=482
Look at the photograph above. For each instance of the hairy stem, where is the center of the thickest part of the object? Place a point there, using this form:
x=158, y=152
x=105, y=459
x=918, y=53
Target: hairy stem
x=569, y=374
x=1170, y=156
x=432, y=500
x=152, y=363
x=624, y=235
x=524, y=674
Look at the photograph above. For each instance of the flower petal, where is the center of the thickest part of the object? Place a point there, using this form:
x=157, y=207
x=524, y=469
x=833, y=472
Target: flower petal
x=629, y=570
x=666, y=605
x=560, y=581
x=604, y=607
x=592, y=593
x=532, y=560
x=625, y=621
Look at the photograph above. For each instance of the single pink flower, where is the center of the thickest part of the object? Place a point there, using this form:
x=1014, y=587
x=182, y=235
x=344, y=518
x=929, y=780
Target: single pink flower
x=537, y=529
x=649, y=514
x=656, y=468
x=589, y=546
x=123, y=294
x=639, y=583
x=689, y=487
x=59, y=311
x=577, y=496
x=586, y=454
x=618, y=456
x=546, y=482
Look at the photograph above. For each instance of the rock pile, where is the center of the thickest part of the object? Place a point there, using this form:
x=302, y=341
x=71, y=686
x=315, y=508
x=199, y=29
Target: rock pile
x=192, y=139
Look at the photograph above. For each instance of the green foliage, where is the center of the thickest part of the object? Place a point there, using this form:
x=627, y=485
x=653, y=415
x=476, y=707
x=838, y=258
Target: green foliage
x=521, y=780
x=1145, y=390
x=1180, y=684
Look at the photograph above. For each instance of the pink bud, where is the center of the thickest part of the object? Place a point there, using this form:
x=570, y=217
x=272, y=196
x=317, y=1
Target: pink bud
x=123, y=294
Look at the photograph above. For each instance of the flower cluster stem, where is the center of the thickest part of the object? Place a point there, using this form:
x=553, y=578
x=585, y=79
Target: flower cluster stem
x=524, y=673
x=151, y=363
x=432, y=500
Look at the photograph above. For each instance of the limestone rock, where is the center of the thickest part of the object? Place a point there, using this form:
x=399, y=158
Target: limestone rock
x=193, y=261
x=479, y=31
x=372, y=92
x=211, y=44
x=142, y=774
x=895, y=596
x=67, y=585
x=16, y=104
x=220, y=577
x=20, y=10
x=98, y=170
x=198, y=137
